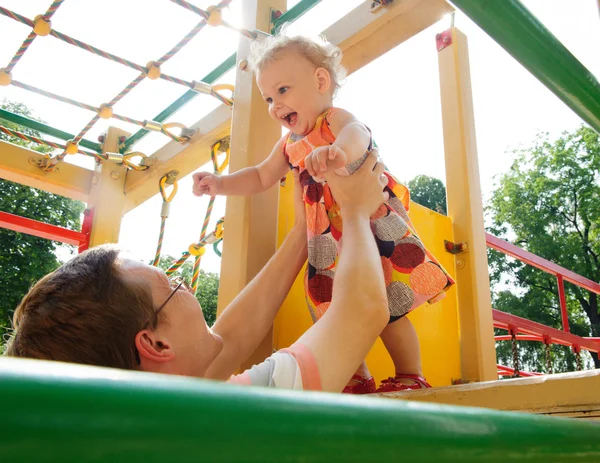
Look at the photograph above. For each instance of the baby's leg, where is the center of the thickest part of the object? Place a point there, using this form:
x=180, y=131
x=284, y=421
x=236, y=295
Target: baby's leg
x=401, y=341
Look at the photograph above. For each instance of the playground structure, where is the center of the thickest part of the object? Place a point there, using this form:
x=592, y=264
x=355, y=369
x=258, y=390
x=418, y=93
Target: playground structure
x=456, y=333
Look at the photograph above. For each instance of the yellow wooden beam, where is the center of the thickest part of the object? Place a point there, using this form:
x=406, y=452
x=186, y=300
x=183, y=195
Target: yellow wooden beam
x=465, y=208
x=365, y=34
x=17, y=164
x=565, y=394
x=250, y=222
x=141, y=186
x=107, y=198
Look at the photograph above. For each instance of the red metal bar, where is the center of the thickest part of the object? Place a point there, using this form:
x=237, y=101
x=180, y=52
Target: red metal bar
x=507, y=371
x=520, y=337
x=563, y=303
x=86, y=229
x=504, y=320
x=42, y=230
x=543, y=264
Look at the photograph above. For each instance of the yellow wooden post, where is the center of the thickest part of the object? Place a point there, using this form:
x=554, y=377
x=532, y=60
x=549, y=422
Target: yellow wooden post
x=250, y=222
x=107, y=197
x=478, y=355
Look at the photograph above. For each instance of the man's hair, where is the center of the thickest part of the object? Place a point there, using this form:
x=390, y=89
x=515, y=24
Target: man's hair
x=84, y=312
x=318, y=51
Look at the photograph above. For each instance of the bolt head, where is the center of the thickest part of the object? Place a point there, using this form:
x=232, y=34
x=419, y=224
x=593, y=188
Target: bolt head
x=243, y=65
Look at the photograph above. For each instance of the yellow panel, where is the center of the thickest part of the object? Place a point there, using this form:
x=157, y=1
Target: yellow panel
x=436, y=324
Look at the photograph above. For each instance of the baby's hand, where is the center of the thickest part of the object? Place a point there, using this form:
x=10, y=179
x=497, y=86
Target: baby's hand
x=206, y=183
x=323, y=157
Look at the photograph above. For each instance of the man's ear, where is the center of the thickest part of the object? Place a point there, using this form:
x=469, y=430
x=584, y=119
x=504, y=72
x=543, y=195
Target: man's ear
x=323, y=80
x=152, y=349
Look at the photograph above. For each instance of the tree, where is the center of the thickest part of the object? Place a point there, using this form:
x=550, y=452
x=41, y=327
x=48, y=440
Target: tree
x=208, y=287
x=24, y=259
x=429, y=192
x=549, y=202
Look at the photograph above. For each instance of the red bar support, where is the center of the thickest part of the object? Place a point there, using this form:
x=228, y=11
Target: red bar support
x=507, y=321
x=43, y=230
x=563, y=303
x=86, y=229
x=538, y=262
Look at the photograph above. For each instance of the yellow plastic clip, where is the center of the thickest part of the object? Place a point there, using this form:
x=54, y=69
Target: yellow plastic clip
x=152, y=70
x=170, y=178
x=5, y=78
x=229, y=87
x=127, y=160
x=196, y=251
x=219, y=230
x=185, y=134
x=219, y=168
x=106, y=112
x=215, y=18
x=40, y=26
x=71, y=147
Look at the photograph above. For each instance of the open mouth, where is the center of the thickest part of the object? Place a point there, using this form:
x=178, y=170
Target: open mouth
x=290, y=118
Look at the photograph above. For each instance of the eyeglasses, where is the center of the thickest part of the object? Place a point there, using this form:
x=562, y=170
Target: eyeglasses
x=176, y=283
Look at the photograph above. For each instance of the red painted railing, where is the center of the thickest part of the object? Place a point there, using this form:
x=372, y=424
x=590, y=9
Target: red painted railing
x=527, y=330
x=51, y=232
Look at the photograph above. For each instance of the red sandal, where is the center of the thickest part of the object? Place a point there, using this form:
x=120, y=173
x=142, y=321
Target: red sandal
x=362, y=385
x=395, y=384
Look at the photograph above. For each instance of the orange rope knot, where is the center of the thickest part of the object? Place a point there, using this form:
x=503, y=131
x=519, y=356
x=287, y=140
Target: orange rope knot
x=152, y=70
x=105, y=111
x=71, y=147
x=215, y=18
x=5, y=78
x=196, y=250
x=40, y=26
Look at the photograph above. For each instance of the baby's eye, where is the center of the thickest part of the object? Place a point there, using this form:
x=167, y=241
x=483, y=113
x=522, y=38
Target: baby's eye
x=282, y=90
x=269, y=100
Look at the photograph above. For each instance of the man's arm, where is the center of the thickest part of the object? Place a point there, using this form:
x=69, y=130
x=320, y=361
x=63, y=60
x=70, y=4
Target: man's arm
x=359, y=309
x=246, y=321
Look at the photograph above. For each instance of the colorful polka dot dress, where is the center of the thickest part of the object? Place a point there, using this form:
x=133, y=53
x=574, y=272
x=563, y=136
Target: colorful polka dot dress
x=412, y=275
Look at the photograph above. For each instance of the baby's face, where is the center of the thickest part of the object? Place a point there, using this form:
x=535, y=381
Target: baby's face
x=295, y=91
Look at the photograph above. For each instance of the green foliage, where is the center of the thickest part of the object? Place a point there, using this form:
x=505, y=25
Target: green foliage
x=208, y=286
x=429, y=192
x=24, y=259
x=549, y=203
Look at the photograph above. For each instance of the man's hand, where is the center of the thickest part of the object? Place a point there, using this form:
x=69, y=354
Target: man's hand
x=324, y=157
x=206, y=183
x=362, y=192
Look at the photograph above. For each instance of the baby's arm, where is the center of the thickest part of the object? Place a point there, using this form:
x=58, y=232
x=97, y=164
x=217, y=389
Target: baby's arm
x=352, y=140
x=244, y=182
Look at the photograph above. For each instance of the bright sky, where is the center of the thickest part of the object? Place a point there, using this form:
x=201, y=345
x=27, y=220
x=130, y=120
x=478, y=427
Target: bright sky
x=397, y=96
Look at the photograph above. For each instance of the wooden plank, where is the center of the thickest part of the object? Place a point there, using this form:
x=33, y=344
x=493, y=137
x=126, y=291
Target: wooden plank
x=364, y=35
x=18, y=164
x=465, y=208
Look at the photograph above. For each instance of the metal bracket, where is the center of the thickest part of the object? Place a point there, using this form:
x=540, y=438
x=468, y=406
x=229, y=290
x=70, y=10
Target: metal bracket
x=455, y=248
x=171, y=177
x=443, y=40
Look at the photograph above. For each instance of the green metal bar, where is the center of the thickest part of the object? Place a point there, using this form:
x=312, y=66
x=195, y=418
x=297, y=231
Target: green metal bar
x=56, y=412
x=43, y=128
x=294, y=13
x=522, y=35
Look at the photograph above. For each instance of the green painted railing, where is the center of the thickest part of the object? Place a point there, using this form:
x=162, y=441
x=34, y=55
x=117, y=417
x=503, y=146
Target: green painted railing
x=54, y=412
x=522, y=35
x=289, y=16
x=46, y=129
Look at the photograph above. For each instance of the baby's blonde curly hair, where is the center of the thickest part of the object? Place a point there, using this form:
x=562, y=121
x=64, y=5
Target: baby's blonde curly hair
x=318, y=51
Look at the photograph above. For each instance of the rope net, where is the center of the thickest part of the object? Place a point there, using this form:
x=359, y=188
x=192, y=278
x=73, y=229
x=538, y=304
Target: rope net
x=41, y=26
